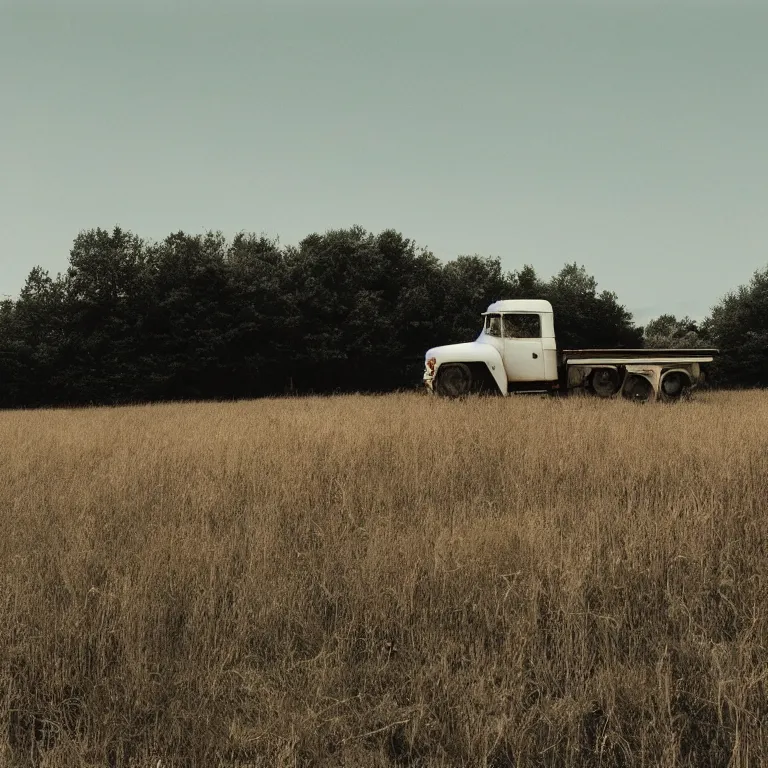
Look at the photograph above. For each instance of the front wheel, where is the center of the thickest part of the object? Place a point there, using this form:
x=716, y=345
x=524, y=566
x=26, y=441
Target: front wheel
x=454, y=380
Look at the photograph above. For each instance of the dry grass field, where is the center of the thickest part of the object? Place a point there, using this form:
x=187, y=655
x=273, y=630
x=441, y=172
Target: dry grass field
x=382, y=581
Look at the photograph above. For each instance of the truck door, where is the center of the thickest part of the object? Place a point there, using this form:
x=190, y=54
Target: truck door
x=523, y=353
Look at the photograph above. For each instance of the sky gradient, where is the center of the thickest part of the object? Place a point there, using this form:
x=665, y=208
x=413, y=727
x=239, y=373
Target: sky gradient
x=629, y=137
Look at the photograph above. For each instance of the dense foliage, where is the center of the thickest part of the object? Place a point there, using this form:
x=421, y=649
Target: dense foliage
x=738, y=326
x=667, y=332
x=198, y=317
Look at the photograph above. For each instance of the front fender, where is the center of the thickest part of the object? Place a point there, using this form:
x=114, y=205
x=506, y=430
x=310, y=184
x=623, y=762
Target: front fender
x=471, y=352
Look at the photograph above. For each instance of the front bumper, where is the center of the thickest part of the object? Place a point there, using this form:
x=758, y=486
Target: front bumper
x=429, y=375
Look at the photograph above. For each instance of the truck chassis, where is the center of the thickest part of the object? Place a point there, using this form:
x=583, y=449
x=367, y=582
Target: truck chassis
x=634, y=374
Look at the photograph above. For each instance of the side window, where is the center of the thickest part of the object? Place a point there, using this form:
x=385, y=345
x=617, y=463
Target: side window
x=493, y=325
x=522, y=326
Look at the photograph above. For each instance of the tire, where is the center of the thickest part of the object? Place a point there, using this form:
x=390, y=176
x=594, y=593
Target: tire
x=674, y=385
x=454, y=380
x=638, y=389
x=605, y=382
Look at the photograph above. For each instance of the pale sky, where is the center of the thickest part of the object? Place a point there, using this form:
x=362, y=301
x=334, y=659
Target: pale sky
x=628, y=136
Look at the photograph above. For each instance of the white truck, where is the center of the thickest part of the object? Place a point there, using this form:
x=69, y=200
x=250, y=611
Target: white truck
x=516, y=352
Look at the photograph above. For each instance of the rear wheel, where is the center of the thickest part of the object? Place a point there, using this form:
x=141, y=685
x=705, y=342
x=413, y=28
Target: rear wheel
x=454, y=380
x=605, y=382
x=638, y=389
x=674, y=385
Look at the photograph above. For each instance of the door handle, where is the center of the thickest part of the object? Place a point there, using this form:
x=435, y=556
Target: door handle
x=535, y=356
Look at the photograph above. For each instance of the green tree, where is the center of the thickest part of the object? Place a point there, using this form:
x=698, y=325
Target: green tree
x=258, y=344
x=584, y=317
x=184, y=330
x=526, y=283
x=470, y=284
x=365, y=309
x=738, y=327
x=32, y=340
x=667, y=332
x=105, y=296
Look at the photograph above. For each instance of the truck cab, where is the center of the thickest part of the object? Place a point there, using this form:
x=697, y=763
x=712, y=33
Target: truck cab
x=515, y=351
x=524, y=334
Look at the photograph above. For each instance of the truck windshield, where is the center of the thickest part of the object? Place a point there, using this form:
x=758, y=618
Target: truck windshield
x=493, y=325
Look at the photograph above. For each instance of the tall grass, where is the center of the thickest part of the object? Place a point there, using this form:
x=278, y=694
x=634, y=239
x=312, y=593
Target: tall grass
x=377, y=581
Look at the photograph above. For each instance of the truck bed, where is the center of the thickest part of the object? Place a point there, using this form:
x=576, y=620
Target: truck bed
x=622, y=354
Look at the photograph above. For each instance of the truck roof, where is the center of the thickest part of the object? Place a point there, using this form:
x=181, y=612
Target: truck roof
x=519, y=305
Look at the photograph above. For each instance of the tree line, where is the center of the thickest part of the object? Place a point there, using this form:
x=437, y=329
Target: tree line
x=201, y=317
